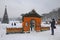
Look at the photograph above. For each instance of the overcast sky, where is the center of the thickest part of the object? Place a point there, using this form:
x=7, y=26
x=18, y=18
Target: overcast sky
x=16, y=7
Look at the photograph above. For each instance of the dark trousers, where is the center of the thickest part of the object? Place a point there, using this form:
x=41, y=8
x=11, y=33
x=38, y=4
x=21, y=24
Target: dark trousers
x=52, y=30
x=31, y=28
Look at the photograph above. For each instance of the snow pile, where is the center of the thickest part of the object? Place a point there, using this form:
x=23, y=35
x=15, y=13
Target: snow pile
x=3, y=29
x=45, y=25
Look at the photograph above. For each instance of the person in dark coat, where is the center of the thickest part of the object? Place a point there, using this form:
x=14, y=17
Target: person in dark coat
x=52, y=26
x=14, y=24
x=31, y=25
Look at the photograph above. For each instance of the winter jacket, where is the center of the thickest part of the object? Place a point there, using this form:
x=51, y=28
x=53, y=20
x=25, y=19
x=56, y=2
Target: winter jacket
x=53, y=24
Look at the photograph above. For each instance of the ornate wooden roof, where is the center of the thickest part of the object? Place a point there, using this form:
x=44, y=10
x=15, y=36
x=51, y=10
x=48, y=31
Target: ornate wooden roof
x=32, y=14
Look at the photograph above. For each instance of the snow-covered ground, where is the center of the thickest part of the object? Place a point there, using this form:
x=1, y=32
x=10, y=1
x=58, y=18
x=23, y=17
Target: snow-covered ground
x=44, y=35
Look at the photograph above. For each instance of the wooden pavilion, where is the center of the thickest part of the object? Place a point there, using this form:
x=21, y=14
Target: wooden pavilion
x=31, y=21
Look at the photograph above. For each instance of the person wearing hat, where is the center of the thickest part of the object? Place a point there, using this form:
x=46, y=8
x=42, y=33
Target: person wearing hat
x=52, y=26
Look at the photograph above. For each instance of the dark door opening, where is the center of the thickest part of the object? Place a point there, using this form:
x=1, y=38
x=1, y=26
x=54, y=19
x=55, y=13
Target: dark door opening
x=32, y=25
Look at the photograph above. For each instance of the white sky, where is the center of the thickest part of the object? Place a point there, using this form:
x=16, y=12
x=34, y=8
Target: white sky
x=16, y=7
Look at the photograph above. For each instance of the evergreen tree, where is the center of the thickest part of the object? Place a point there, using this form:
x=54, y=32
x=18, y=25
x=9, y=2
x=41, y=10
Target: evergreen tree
x=5, y=17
